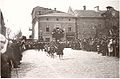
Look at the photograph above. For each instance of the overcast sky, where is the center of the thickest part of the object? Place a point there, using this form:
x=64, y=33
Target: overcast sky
x=17, y=13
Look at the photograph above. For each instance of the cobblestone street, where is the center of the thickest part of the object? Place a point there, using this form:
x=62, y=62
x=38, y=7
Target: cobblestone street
x=75, y=64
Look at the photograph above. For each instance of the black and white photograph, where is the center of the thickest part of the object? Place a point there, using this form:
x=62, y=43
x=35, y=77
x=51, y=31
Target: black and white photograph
x=59, y=38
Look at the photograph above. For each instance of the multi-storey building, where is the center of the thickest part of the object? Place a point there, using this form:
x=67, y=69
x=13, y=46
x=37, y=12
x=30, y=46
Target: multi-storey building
x=36, y=12
x=88, y=22
x=46, y=24
x=111, y=18
x=76, y=24
x=2, y=24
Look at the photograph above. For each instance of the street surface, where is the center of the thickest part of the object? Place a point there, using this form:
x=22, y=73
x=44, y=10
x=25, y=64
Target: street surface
x=75, y=64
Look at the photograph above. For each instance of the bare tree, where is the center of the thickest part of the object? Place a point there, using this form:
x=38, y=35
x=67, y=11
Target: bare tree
x=8, y=32
x=18, y=35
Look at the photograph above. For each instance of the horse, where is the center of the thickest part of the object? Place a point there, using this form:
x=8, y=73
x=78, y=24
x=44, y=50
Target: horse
x=51, y=50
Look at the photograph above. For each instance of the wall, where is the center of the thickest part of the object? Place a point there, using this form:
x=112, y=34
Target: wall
x=87, y=26
x=63, y=22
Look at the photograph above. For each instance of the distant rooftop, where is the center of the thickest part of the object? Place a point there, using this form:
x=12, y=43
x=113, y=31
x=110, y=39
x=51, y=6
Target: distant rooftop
x=37, y=8
x=88, y=13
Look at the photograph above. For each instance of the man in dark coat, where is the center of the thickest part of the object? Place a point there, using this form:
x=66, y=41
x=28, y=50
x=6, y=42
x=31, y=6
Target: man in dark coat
x=60, y=50
x=17, y=54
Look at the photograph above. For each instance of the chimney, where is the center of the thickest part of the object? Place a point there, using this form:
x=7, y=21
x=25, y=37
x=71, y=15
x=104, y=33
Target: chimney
x=55, y=9
x=84, y=7
x=97, y=8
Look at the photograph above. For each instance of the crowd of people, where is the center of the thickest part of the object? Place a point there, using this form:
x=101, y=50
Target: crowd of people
x=49, y=47
x=11, y=55
x=11, y=51
x=107, y=46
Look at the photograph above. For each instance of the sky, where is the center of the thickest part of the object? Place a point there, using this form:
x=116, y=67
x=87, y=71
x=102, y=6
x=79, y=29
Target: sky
x=17, y=13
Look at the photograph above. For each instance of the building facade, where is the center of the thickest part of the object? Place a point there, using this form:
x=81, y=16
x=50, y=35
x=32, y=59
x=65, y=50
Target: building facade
x=111, y=18
x=36, y=12
x=2, y=24
x=77, y=24
x=46, y=24
x=88, y=23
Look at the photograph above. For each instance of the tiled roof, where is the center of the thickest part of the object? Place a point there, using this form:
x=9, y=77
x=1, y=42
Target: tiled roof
x=57, y=15
x=88, y=13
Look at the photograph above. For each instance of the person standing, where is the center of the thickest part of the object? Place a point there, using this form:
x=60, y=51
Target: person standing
x=60, y=50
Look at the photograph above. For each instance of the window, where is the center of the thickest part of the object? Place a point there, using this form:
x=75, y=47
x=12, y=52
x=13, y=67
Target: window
x=47, y=19
x=69, y=19
x=47, y=39
x=47, y=29
x=57, y=19
x=69, y=29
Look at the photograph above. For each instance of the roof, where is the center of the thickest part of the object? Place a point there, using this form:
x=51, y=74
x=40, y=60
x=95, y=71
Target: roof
x=88, y=13
x=57, y=15
x=42, y=11
x=70, y=11
x=38, y=8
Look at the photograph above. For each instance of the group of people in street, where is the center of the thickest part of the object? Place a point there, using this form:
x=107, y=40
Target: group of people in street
x=52, y=48
x=107, y=46
x=11, y=51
